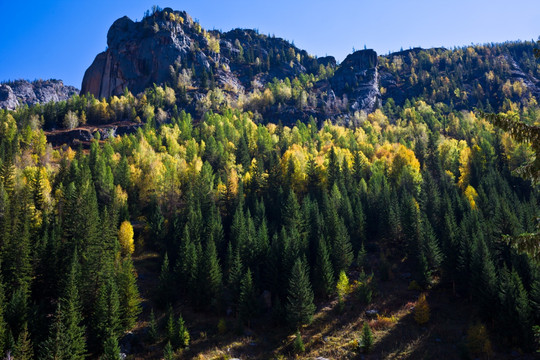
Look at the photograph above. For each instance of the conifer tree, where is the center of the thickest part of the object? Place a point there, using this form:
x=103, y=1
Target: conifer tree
x=300, y=307
x=367, y=337
x=333, y=169
x=170, y=328
x=71, y=316
x=324, y=274
x=130, y=302
x=247, y=303
x=235, y=277
x=3, y=324
x=212, y=277
x=16, y=314
x=361, y=259
x=342, y=249
x=484, y=279
x=111, y=349
x=56, y=345
x=152, y=328
x=165, y=282
x=168, y=352
x=106, y=315
x=182, y=333
x=515, y=312
x=23, y=348
x=299, y=346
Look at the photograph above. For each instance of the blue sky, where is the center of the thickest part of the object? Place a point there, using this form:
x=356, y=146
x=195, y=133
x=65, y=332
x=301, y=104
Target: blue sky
x=59, y=39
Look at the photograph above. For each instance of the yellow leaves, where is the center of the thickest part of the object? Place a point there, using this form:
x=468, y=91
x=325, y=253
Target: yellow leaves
x=125, y=238
x=8, y=128
x=343, y=287
x=471, y=195
x=377, y=117
x=478, y=340
x=421, y=310
x=69, y=154
x=449, y=154
x=399, y=158
x=464, y=168
x=213, y=44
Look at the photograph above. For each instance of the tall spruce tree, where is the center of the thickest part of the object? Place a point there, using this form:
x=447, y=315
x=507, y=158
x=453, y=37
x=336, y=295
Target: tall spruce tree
x=324, y=274
x=71, y=316
x=106, y=316
x=300, y=307
x=247, y=302
x=211, y=281
x=130, y=301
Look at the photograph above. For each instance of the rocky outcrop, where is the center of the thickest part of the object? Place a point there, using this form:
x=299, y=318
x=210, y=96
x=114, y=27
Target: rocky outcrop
x=23, y=92
x=148, y=52
x=141, y=54
x=83, y=135
x=358, y=78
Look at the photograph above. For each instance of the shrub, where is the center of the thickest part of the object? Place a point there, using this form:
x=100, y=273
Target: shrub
x=382, y=322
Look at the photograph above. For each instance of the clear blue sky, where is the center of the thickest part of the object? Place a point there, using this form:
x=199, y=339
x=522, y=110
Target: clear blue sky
x=59, y=39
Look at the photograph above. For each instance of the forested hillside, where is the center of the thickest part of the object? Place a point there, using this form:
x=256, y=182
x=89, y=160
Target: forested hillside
x=210, y=225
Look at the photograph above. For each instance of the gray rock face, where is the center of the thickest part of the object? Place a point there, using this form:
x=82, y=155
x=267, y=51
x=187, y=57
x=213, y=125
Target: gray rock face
x=358, y=77
x=21, y=92
x=141, y=54
x=152, y=51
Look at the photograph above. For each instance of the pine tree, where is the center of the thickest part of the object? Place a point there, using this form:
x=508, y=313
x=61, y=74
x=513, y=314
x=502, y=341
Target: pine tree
x=130, y=302
x=111, y=349
x=342, y=249
x=324, y=274
x=71, y=316
x=165, y=282
x=152, y=328
x=106, y=315
x=3, y=324
x=300, y=307
x=242, y=152
x=168, y=352
x=247, y=303
x=235, y=276
x=515, y=311
x=170, y=329
x=56, y=346
x=484, y=280
x=188, y=264
x=299, y=346
x=182, y=333
x=361, y=259
x=367, y=338
x=212, y=277
x=23, y=348
x=16, y=314
x=333, y=169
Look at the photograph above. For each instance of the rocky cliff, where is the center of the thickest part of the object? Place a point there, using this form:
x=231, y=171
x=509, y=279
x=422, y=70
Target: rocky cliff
x=358, y=77
x=21, y=92
x=158, y=48
x=169, y=47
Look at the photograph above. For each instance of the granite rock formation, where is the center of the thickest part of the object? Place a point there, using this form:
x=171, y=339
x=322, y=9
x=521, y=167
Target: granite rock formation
x=23, y=92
